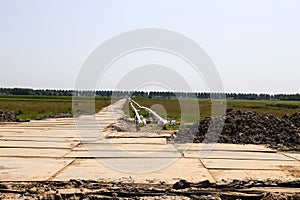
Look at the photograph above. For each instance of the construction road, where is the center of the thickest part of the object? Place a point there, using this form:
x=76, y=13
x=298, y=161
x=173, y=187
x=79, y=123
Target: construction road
x=63, y=149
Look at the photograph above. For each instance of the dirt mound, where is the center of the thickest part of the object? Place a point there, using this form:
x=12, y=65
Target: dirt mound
x=8, y=116
x=246, y=127
x=294, y=118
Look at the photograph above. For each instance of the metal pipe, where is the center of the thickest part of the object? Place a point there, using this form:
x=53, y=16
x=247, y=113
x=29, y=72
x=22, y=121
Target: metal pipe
x=136, y=113
x=136, y=103
x=164, y=121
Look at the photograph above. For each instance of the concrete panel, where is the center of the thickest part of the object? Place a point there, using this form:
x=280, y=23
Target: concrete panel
x=222, y=147
x=40, y=139
x=35, y=126
x=263, y=175
x=135, y=141
x=53, y=133
x=91, y=134
x=129, y=141
x=126, y=147
x=32, y=144
x=34, y=152
x=236, y=155
x=168, y=170
x=30, y=169
x=293, y=155
x=137, y=135
x=64, y=133
x=54, y=121
x=45, y=124
x=11, y=133
x=21, y=129
x=4, y=131
x=122, y=154
x=248, y=164
x=8, y=123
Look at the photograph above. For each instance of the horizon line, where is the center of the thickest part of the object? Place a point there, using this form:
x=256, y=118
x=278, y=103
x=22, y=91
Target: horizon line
x=226, y=92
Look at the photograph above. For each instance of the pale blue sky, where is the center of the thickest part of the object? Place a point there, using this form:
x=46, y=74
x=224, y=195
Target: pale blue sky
x=255, y=44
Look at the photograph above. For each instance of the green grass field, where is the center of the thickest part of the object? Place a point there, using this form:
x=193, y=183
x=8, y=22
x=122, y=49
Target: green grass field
x=29, y=107
x=172, y=106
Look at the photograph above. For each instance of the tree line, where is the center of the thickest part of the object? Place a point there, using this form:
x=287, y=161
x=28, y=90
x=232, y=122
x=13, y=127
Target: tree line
x=151, y=94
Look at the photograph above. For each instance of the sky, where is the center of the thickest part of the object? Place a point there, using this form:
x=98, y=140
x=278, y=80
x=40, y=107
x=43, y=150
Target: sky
x=254, y=44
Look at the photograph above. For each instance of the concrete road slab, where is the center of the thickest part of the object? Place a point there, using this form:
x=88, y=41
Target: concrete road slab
x=106, y=117
x=262, y=175
x=30, y=169
x=126, y=147
x=91, y=134
x=122, y=154
x=45, y=124
x=8, y=123
x=21, y=130
x=222, y=147
x=33, y=152
x=11, y=133
x=248, y=164
x=236, y=155
x=35, y=144
x=39, y=139
x=101, y=140
x=135, y=141
x=34, y=126
x=54, y=120
x=168, y=170
x=9, y=129
x=137, y=135
x=293, y=155
x=53, y=133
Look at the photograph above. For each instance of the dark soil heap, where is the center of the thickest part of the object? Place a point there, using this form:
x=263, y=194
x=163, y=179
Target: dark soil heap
x=245, y=127
x=7, y=116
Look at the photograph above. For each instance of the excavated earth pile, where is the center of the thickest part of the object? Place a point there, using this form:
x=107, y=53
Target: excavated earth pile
x=7, y=116
x=246, y=127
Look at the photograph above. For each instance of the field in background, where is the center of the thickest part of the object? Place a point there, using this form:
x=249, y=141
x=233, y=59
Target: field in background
x=29, y=107
x=172, y=107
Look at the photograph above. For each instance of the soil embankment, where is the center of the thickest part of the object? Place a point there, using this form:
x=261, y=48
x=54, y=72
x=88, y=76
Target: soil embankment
x=8, y=116
x=246, y=127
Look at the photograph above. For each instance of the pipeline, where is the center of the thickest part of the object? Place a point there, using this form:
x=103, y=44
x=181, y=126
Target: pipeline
x=136, y=113
x=162, y=120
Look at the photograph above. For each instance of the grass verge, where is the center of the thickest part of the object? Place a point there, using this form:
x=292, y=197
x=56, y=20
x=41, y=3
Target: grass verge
x=173, y=109
x=29, y=107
